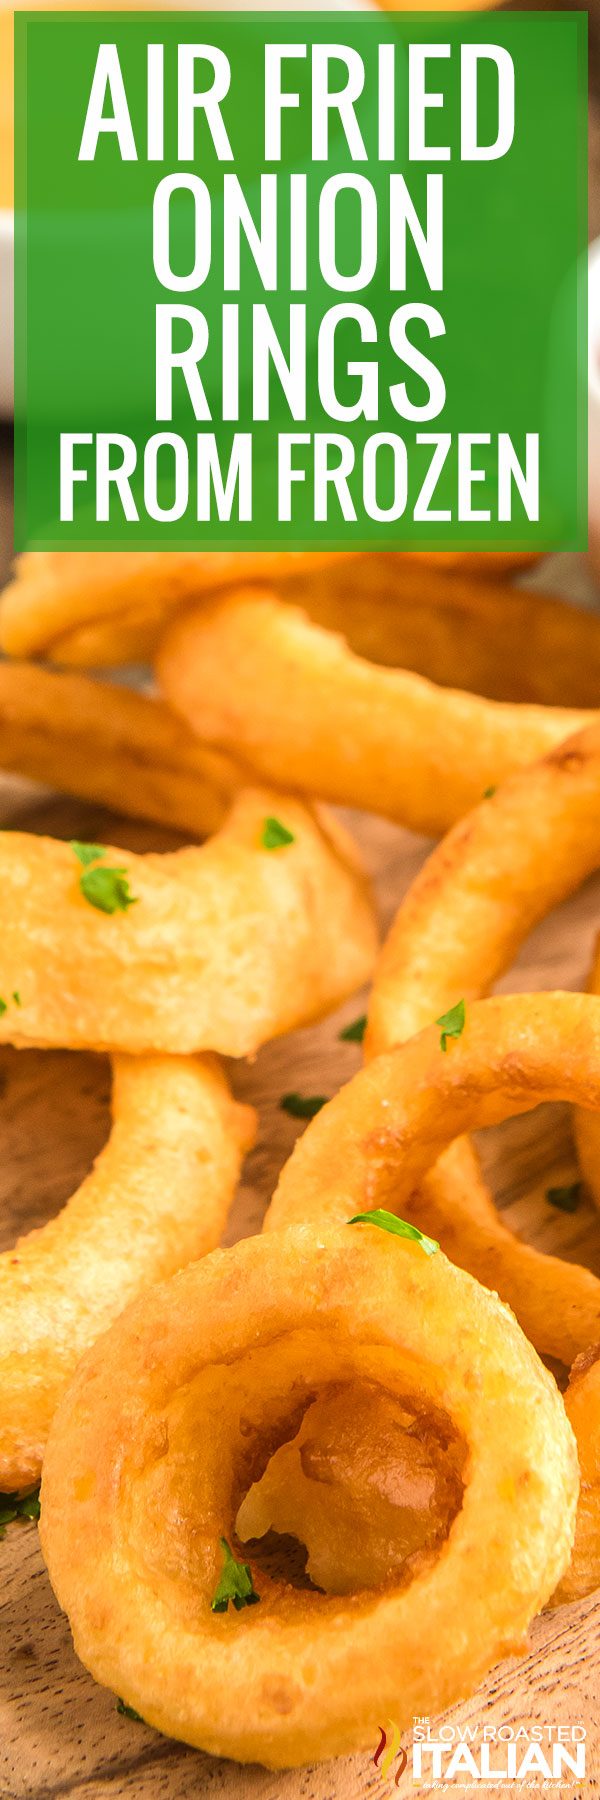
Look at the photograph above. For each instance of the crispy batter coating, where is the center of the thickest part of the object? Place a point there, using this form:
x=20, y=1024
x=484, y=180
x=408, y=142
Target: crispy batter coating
x=582, y=1403
x=101, y=610
x=587, y=1132
x=263, y=681
x=227, y=944
x=55, y=595
x=459, y=629
x=495, y=876
x=157, y=1196
x=174, y=1415
x=112, y=746
x=502, y=869
x=371, y=1145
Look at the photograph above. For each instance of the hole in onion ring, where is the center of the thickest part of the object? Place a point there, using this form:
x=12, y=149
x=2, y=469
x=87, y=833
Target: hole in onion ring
x=337, y=1475
x=47, y=1098
x=536, y=1152
x=365, y=1492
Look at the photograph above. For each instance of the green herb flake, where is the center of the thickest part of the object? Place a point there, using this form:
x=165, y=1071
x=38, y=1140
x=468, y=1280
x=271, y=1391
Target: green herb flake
x=129, y=1712
x=107, y=889
x=565, y=1198
x=488, y=793
x=87, y=853
x=452, y=1023
x=235, y=1583
x=4, y=1003
x=29, y=1507
x=302, y=1106
x=275, y=836
x=354, y=1033
x=18, y=1506
x=386, y=1221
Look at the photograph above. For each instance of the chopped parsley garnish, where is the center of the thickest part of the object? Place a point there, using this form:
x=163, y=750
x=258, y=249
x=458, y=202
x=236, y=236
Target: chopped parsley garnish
x=387, y=1221
x=488, y=793
x=235, y=1583
x=129, y=1712
x=354, y=1033
x=275, y=836
x=565, y=1198
x=87, y=853
x=452, y=1023
x=18, y=1506
x=105, y=888
x=302, y=1106
x=4, y=1003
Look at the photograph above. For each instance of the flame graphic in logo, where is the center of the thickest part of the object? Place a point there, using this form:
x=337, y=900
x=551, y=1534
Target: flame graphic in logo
x=386, y=1752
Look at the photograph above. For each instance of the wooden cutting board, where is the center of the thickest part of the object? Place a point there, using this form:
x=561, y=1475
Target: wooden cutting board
x=60, y=1735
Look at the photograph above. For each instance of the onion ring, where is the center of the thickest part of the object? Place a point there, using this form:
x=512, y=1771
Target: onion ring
x=173, y=1415
x=206, y=958
x=582, y=1404
x=112, y=746
x=99, y=611
x=158, y=1196
x=495, y=876
x=587, y=1134
x=55, y=592
x=492, y=563
x=371, y=1144
x=506, y=643
x=251, y=674
x=435, y=615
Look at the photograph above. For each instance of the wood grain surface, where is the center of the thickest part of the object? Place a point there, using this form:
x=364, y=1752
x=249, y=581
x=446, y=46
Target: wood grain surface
x=59, y=1733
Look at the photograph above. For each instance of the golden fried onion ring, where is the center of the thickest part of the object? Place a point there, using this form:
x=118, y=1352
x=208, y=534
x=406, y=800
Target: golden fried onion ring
x=259, y=678
x=57, y=593
x=506, y=643
x=157, y=1196
x=371, y=1145
x=544, y=1047
x=174, y=1414
x=587, y=1132
x=495, y=876
x=442, y=616
x=102, y=610
x=112, y=746
x=227, y=944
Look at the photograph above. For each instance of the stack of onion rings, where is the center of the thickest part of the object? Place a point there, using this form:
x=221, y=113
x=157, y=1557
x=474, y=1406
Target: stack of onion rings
x=329, y=1381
